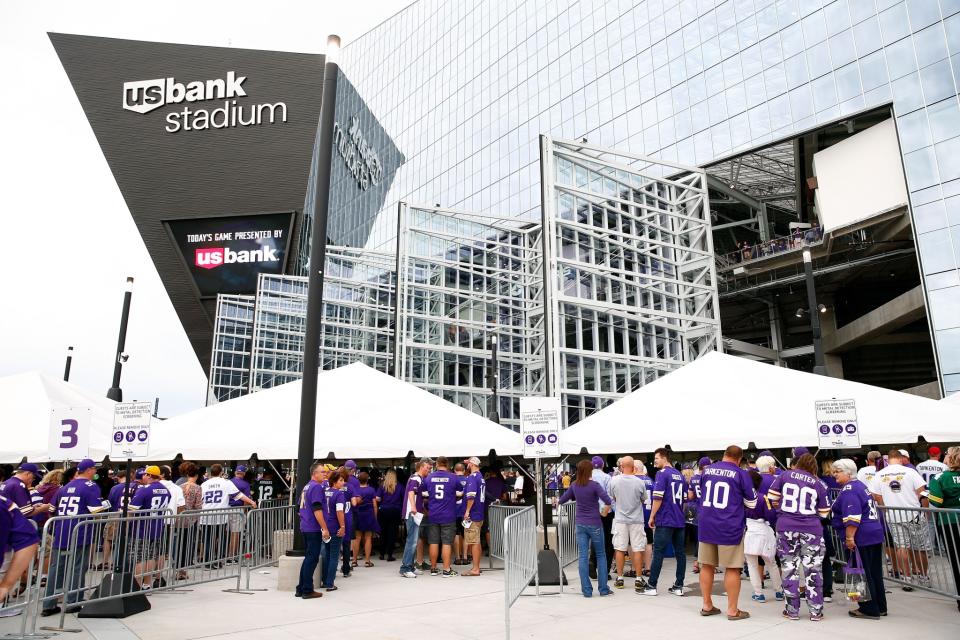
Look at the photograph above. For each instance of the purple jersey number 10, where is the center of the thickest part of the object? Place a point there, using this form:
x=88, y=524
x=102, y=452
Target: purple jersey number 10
x=69, y=434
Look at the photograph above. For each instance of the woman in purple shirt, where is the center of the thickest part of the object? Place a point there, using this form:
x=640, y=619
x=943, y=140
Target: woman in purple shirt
x=366, y=518
x=390, y=504
x=801, y=500
x=589, y=495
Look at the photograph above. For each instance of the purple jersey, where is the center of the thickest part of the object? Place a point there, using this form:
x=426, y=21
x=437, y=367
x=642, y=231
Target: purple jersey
x=334, y=501
x=800, y=500
x=461, y=498
x=475, y=489
x=116, y=497
x=856, y=507
x=413, y=484
x=16, y=532
x=43, y=494
x=766, y=481
x=668, y=488
x=588, y=498
x=726, y=492
x=78, y=498
x=440, y=491
x=695, y=486
x=14, y=490
x=311, y=499
x=367, y=495
x=391, y=501
x=151, y=498
x=352, y=490
x=495, y=488
x=648, y=502
x=244, y=488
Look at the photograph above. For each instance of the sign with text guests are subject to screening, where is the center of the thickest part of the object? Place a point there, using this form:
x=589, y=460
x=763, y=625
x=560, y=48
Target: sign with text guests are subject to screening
x=69, y=433
x=131, y=430
x=540, y=427
x=837, y=426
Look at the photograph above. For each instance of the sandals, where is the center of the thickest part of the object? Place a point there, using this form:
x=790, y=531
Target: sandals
x=741, y=615
x=354, y=564
x=368, y=564
x=712, y=612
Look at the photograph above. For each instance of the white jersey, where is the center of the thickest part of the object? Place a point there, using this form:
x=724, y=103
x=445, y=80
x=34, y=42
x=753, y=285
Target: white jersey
x=176, y=497
x=930, y=469
x=898, y=486
x=216, y=495
x=865, y=475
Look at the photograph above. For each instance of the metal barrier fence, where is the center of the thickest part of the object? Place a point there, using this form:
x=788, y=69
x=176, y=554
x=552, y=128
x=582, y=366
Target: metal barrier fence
x=273, y=502
x=567, y=551
x=519, y=557
x=497, y=515
x=268, y=534
x=17, y=601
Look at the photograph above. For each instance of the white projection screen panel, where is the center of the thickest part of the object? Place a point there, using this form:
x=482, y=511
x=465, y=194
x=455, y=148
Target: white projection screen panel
x=860, y=178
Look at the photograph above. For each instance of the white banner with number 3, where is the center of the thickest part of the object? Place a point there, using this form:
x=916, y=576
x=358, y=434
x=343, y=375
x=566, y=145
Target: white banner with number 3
x=69, y=433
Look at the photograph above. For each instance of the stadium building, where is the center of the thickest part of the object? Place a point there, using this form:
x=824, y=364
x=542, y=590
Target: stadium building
x=579, y=197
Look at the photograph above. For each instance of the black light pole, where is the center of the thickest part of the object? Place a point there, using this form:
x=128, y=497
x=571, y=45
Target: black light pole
x=318, y=251
x=66, y=367
x=819, y=363
x=114, y=392
x=494, y=375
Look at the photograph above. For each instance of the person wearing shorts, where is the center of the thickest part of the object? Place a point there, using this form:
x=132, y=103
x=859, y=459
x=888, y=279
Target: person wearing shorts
x=904, y=492
x=474, y=497
x=629, y=493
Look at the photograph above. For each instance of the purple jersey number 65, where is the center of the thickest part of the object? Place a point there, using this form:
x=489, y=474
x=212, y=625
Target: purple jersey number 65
x=69, y=434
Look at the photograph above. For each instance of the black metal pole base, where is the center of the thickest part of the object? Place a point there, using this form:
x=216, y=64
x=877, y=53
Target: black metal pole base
x=548, y=569
x=115, y=584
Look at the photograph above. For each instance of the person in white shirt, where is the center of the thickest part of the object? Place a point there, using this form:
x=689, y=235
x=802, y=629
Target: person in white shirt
x=217, y=493
x=902, y=489
x=931, y=467
x=865, y=474
x=598, y=476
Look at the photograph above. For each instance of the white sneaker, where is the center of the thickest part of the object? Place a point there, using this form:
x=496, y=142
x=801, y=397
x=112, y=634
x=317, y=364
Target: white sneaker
x=649, y=591
x=409, y=574
x=677, y=591
x=417, y=572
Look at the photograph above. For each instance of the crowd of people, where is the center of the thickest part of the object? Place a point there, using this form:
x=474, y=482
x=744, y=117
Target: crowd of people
x=777, y=523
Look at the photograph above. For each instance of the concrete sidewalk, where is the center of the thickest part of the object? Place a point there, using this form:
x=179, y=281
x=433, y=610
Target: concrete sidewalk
x=377, y=602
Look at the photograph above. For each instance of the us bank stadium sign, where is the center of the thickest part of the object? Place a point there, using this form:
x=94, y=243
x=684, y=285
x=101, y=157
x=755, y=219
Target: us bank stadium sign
x=144, y=96
x=361, y=158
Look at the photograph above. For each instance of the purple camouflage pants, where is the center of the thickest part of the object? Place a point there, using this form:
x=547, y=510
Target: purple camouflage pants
x=801, y=551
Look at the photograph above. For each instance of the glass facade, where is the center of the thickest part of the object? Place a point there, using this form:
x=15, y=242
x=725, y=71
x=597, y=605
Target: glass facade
x=465, y=89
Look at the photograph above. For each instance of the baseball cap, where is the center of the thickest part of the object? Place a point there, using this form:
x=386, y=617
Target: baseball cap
x=934, y=451
x=85, y=464
x=766, y=452
x=138, y=475
x=473, y=460
x=28, y=466
x=704, y=461
x=350, y=464
x=152, y=470
x=241, y=469
x=597, y=462
x=329, y=467
x=904, y=453
x=799, y=451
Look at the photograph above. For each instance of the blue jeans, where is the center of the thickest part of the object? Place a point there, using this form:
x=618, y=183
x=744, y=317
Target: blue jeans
x=57, y=579
x=313, y=543
x=662, y=536
x=587, y=535
x=331, y=554
x=410, y=548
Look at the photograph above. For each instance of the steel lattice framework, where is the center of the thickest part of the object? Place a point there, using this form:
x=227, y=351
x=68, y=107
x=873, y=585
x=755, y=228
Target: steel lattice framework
x=232, y=335
x=463, y=278
x=630, y=286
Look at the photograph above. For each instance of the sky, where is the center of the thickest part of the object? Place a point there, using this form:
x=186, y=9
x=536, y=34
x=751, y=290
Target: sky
x=69, y=242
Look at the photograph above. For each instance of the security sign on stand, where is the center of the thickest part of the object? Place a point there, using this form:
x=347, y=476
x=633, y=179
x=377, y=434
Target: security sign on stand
x=69, y=433
x=131, y=430
x=540, y=427
x=837, y=426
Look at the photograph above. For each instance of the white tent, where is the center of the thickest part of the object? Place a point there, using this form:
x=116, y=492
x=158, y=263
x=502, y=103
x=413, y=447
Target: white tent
x=719, y=400
x=26, y=403
x=361, y=413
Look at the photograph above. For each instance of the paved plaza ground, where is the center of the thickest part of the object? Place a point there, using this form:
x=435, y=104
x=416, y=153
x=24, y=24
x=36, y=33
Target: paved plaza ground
x=377, y=603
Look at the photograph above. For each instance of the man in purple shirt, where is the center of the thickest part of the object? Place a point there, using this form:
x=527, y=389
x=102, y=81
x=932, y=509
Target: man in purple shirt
x=151, y=499
x=667, y=522
x=237, y=520
x=314, y=530
x=474, y=497
x=20, y=536
x=17, y=490
x=726, y=492
x=72, y=538
x=440, y=490
x=412, y=515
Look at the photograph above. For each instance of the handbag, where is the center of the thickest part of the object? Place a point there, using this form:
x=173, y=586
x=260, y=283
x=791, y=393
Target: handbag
x=854, y=579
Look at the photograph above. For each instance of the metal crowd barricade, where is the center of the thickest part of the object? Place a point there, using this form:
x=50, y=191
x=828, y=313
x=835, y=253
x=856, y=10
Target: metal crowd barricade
x=161, y=552
x=519, y=557
x=273, y=502
x=17, y=602
x=566, y=536
x=268, y=534
x=922, y=549
x=497, y=515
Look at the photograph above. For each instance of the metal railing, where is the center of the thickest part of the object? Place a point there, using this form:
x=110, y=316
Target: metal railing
x=268, y=534
x=17, y=601
x=770, y=248
x=273, y=502
x=519, y=557
x=566, y=536
x=497, y=515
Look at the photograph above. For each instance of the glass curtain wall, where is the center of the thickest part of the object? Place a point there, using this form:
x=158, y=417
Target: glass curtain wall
x=232, y=342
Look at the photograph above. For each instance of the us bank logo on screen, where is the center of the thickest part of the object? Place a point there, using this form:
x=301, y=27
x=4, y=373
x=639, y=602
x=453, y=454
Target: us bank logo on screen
x=144, y=96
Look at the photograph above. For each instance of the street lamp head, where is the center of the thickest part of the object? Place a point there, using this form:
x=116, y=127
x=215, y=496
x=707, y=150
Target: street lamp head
x=129, y=286
x=333, y=48
x=822, y=308
x=800, y=312
x=806, y=256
